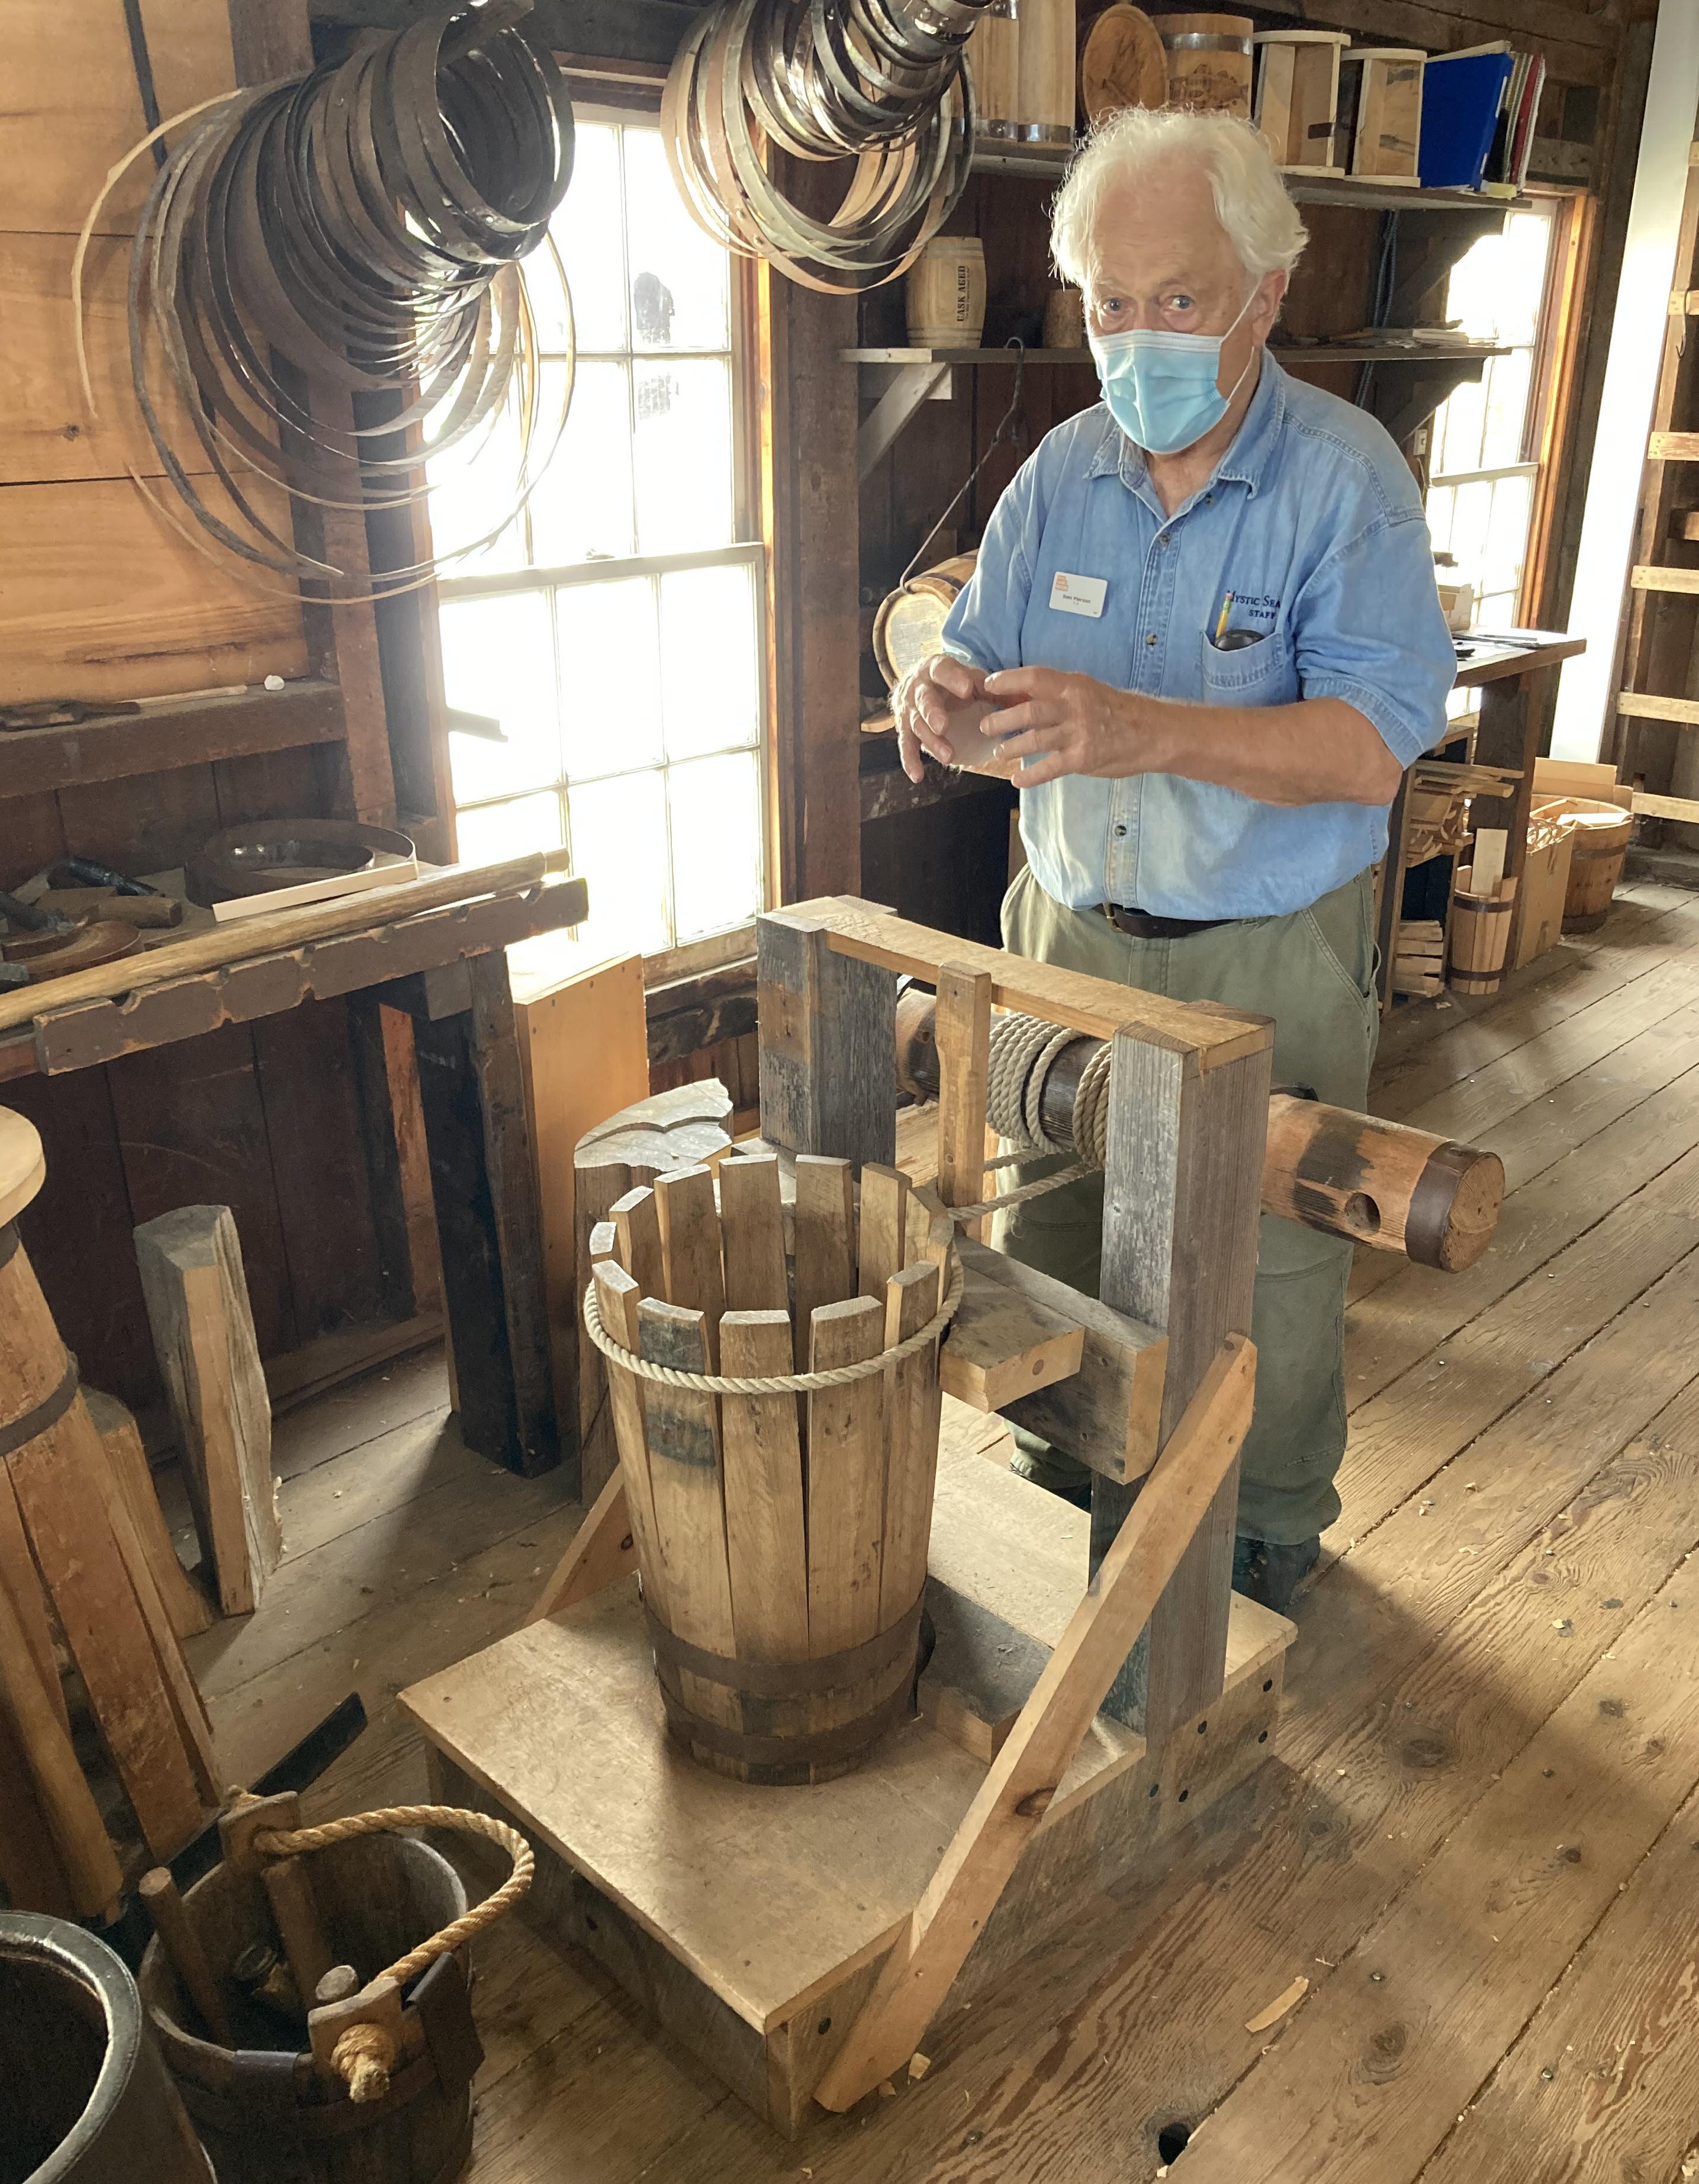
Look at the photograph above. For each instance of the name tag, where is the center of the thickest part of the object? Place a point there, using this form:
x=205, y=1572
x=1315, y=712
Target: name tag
x=1080, y=595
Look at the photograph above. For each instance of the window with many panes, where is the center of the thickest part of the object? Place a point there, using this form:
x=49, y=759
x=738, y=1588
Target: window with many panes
x=613, y=628
x=1483, y=462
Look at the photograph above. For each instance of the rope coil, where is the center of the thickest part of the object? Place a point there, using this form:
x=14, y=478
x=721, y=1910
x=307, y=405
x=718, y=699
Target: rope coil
x=782, y=1384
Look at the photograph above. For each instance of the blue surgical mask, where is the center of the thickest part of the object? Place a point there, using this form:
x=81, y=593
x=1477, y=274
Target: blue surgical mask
x=1161, y=386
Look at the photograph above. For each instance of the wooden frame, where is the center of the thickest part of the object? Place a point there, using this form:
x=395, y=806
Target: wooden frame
x=1188, y=1118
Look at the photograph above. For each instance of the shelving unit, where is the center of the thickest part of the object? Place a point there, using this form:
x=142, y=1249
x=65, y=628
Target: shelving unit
x=190, y=732
x=1049, y=163
x=923, y=375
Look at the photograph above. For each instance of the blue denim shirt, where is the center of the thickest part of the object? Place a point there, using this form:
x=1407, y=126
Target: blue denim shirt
x=1313, y=522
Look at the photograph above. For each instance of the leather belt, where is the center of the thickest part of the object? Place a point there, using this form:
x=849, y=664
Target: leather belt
x=1142, y=925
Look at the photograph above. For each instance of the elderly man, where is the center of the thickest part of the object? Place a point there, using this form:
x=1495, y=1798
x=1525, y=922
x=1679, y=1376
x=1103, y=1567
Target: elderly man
x=1203, y=638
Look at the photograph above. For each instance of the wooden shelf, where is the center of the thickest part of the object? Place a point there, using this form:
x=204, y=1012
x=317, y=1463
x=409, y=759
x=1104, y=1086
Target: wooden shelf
x=1049, y=163
x=1289, y=355
x=117, y=746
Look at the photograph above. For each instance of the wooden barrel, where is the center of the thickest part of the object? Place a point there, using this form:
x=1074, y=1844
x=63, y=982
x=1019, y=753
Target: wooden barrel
x=992, y=56
x=909, y=626
x=781, y=1535
x=1209, y=61
x=1044, y=52
x=264, y=2111
x=1601, y=833
x=1122, y=62
x=84, y=2097
x=944, y=293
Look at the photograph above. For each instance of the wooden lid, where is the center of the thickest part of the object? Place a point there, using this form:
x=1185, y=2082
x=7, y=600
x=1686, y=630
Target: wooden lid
x=23, y=1171
x=1121, y=63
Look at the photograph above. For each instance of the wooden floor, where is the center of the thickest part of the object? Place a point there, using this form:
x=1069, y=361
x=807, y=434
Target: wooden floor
x=1479, y=1843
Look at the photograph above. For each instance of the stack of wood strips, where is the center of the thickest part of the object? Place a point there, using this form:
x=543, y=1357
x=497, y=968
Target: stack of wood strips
x=1419, y=967
x=86, y=1572
x=1481, y=906
x=1438, y=807
x=777, y=1531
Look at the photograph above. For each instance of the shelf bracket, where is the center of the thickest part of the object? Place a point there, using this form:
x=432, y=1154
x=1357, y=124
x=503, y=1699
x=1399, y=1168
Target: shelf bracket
x=914, y=383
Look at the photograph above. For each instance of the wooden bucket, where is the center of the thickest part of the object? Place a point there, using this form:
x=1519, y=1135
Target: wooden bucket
x=1601, y=833
x=84, y=2097
x=1480, y=934
x=944, y=293
x=993, y=57
x=909, y=626
x=1044, y=53
x=781, y=1535
x=1209, y=61
x=264, y=2112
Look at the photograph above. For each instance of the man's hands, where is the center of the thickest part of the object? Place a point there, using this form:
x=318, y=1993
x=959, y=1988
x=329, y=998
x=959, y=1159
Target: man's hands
x=1062, y=723
x=1313, y=750
x=937, y=707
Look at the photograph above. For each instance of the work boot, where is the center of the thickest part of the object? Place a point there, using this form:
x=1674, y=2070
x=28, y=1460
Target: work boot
x=1270, y=1571
x=1045, y=1466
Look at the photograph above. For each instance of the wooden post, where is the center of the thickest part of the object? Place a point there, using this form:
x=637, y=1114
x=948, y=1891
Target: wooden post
x=828, y=1043
x=483, y=1179
x=1181, y=1188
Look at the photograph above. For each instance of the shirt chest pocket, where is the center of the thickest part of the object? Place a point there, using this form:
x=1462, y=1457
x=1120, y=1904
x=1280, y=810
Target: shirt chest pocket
x=1259, y=674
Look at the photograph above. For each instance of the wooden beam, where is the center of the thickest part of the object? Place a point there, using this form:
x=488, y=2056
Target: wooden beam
x=196, y=1299
x=1654, y=577
x=827, y=1043
x=1024, y=1777
x=1182, y=1195
x=1666, y=807
x=1643, y=706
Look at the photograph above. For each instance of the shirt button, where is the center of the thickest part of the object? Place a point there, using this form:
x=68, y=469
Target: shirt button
x=1120, y=831
x=1151, y=639
x=1209, y=500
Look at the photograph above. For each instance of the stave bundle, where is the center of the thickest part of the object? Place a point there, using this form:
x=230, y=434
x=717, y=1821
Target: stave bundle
x=355, y=233
x=884, y=83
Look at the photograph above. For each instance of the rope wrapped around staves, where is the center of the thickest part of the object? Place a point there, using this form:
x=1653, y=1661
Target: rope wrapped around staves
x=329, y=268
x=884, y=83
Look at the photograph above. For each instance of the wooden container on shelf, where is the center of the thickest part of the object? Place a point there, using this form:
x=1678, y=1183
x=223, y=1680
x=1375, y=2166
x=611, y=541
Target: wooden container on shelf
x=1298, y=96
x=1045, y=45
x=994, y=59
x=944, y=293
x=1121, y=63
x=909, y=625
x=1380, y=110
x=1209, y=61
x=781, y=1532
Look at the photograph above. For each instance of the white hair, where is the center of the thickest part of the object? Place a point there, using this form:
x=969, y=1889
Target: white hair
x=1250, y=200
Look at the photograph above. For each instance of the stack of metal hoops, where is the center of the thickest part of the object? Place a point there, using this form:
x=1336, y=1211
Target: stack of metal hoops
x=358, y=233
x=882, y=82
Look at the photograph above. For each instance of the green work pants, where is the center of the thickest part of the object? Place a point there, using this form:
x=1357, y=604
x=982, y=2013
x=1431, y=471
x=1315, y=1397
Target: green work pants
x=1313, y=973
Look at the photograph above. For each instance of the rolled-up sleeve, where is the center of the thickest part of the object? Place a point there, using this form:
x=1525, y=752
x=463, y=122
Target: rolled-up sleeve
x=1367, y=627
x=983, y=626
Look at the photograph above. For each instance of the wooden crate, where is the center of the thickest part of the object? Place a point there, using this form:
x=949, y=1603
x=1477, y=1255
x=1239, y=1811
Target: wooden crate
x=1296, y=107
x=1380, y=111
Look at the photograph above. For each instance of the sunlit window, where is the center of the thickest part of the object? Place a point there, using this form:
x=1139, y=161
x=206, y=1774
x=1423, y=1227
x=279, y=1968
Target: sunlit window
x=1480, y=501
x=613, y=628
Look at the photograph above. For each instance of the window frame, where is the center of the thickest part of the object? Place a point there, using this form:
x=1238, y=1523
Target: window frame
x=627, y=102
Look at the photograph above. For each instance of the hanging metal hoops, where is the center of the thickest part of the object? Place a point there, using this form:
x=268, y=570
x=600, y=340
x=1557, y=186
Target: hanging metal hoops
x=884, y=83
x=359, y=232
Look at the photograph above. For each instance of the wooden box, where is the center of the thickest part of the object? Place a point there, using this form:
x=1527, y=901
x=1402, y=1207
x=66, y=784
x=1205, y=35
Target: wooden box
x=1296, y=107
x=1380, y=111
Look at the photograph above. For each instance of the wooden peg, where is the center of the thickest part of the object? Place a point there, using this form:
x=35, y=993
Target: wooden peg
x=183, y=1951
x=299, y=1928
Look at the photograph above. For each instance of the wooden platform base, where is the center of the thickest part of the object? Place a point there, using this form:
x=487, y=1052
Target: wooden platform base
x=752, y=1922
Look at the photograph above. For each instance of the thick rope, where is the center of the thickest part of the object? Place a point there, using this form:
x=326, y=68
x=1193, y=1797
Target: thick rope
x=288, y=1842
x=781, y=1384
x=1023, y=1048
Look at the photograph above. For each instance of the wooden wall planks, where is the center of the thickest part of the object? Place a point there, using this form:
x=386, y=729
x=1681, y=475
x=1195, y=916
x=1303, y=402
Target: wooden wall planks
x=46, y=432
x=72, y=108
x=100, y=599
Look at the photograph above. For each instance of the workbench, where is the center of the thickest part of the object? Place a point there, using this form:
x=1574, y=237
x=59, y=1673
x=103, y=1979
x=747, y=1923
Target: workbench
x=446, y=969
x=1511, y=673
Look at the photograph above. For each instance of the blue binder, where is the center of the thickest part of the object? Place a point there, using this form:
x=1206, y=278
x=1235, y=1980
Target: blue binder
x=1460, y=98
